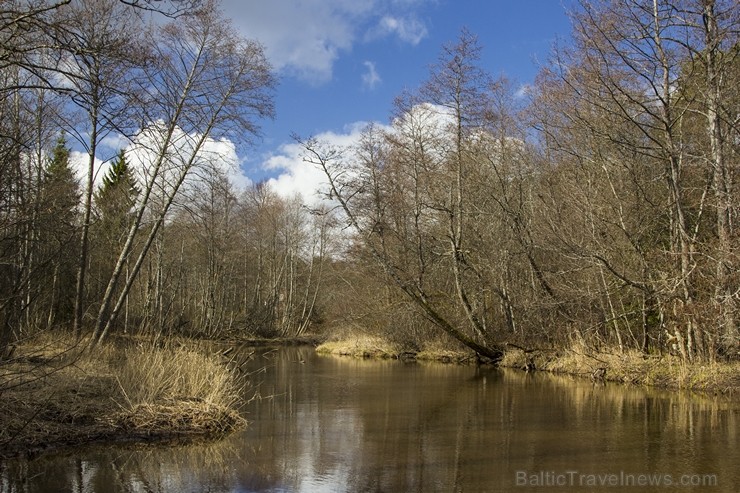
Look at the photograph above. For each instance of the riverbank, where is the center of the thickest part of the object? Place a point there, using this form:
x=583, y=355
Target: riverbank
x=56, y=394
x=632, y=367
x=376, y=347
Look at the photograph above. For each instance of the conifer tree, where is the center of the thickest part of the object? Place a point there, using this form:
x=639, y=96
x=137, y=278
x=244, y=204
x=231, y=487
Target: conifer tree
x=115, y=199
x=60, y=202
x=61, y=190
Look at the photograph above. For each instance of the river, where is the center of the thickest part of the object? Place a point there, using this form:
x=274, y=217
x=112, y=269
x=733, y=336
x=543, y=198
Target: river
x=332, y=424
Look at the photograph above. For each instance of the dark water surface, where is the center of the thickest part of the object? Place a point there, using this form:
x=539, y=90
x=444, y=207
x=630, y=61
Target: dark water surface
x=327, y=424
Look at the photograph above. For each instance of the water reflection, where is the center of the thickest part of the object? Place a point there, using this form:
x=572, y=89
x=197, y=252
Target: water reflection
x=338, y=424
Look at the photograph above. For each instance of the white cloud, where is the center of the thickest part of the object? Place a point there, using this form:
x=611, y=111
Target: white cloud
x=523, y=91
x=295, y=176
x=408, y=29
x=301, y=38
x=80, y=163
x=219, y=155
x=227, y=162
x=115, y=141
x=305, y=38
x=371, y=78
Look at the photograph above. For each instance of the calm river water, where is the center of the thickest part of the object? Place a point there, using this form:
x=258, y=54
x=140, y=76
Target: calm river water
x=328, y=424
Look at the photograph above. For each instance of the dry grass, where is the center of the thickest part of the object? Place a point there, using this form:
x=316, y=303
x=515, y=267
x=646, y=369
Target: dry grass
x=445, y=353
x=152, y=374
x=579, y=360
x=366, y=346
x=56, y=392
x=633, y=367
x=180, y=418
x=175, y=391
x=361, y=347
x=376, y=347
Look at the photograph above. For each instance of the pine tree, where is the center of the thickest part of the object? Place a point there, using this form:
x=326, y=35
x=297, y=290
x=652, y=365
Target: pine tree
x=61, y=189
x=59, y=226
x=114, y=205
x=115, y=199
x=119, y=172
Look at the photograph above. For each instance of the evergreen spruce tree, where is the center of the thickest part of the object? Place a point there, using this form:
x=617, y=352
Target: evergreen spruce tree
x=115, y=200
x=61, y=189
x=59, y=227
x=114, y=204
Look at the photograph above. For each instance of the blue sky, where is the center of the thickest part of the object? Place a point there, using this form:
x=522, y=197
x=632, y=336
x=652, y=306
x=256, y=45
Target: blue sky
x=341, y=62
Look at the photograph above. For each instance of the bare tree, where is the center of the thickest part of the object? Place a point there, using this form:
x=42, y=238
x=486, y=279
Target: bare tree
x=431, y=195
x=617, y=110
x=380, y=223
x=103, y=49
x=718, y=54
x=209, y=83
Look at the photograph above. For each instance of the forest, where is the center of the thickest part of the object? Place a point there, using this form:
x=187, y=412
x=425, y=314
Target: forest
x=598, y=207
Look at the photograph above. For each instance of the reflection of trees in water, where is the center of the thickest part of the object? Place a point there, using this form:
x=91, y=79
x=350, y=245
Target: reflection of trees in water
x=355, y=425
x=597, y=427
x=436, y=448
x=441, y=425
x=197, y=467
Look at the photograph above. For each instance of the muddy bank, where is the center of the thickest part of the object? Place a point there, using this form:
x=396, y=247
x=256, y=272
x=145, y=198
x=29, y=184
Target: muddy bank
x=56, y=394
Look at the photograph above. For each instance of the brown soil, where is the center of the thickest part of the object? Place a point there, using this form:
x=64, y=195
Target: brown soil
x=53, y=399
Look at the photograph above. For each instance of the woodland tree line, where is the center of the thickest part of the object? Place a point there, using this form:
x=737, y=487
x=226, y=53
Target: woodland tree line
x=600, y=206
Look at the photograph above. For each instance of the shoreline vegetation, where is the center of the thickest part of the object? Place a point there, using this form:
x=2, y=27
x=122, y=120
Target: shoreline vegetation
x=56, y=394
x=594, y=213
x=59, y=395
x=628, y=367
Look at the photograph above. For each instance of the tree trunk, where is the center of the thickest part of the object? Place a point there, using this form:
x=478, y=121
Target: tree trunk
x=84, y=235
x=722, y=184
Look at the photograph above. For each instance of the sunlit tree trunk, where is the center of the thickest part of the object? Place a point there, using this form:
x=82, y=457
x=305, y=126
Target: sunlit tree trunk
x=722, y=178
x=209, y=80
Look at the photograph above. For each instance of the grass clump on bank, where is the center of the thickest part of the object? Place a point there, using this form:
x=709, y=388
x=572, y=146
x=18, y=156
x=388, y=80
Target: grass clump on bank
x=446, y=353
x=361, y=347
x=578, y=360
x=175, y=390
x=56, y=392
x=633, y=367
x=376, y=347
